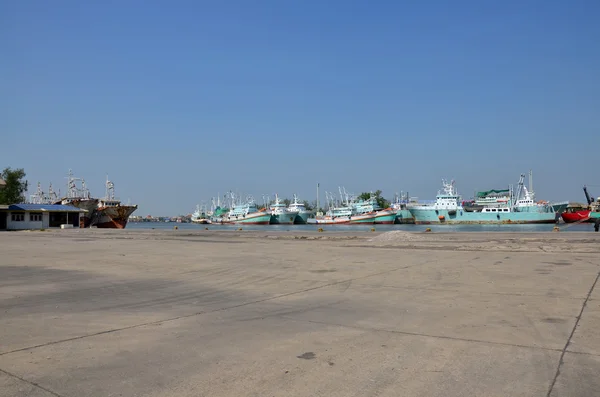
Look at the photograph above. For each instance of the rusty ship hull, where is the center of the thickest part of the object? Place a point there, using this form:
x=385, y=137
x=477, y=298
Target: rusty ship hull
x=88, y=204
x=113, y=217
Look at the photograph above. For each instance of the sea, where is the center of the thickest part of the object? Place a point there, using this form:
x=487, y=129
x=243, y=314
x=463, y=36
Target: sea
x=581, y=227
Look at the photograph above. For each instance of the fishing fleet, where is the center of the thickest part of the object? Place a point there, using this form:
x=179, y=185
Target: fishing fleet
x=515, y=205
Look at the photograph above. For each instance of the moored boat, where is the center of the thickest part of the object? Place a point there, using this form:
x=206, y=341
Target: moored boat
x=448, y=209
x=110, y=212
x=246, y=213
x=200, y=217
x=344, y=212
x=80, y=197
x=372, y=208
x=281, y=214
x=400, y=206
x=577, y=213
x=303, y=214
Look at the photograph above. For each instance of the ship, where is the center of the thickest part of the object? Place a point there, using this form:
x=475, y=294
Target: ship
x=581, y=213
x=281, y=214
x=576, y=213
x=519, y=209
x=372, y=208
x=400, y=205
x=217, y=213
x=302, y=213
x=80, y=197
x=110, y=212
x=199, y=216
x=246, y=213
x=342, y=213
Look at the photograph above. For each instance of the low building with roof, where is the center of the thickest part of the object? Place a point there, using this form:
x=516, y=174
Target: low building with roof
x=39, y=216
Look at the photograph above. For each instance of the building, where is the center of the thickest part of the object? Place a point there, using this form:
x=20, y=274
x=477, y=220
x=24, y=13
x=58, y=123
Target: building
x=39, y=216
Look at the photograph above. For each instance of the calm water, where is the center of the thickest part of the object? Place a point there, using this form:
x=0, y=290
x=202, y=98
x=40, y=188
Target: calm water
x=582, y=227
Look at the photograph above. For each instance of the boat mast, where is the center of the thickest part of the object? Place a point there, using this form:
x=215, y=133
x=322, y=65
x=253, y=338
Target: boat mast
x=531, y=193
x=317, y=196
x=517, y=195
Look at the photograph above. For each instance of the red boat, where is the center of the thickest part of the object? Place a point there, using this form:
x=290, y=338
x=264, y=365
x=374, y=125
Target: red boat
x=572, y=215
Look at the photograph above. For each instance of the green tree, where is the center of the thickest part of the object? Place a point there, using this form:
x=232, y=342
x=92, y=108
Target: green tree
x=383, y=203
x=287, y=202
x=13, y=191
x=309, y=206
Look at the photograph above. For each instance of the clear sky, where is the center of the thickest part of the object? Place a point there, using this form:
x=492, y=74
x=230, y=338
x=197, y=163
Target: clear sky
x=179, y=100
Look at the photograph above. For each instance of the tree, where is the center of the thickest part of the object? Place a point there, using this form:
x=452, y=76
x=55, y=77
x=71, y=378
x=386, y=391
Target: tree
x=13, y=191
x=308, y=205
x=383, y=203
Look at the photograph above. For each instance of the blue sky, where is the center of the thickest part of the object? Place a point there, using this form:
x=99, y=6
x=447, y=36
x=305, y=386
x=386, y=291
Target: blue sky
x=177, y=101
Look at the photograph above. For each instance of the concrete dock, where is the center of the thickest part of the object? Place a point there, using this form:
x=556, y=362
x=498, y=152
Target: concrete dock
x=210, y=313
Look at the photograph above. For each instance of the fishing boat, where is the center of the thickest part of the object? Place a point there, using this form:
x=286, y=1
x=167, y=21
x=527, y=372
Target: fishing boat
x=371, y=207
x=199, y=216
x=400, y=206
x=576, y=213
x=302, y=213
x=581, y=213
x=342, y=212
x=281, y=214
x=448, y=209
x=217, y=213
x=110, y=212
x=246, y=212
x=80, y=197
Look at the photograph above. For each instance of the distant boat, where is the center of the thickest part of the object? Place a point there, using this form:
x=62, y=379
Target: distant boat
x=280, y=214
x=371, y=207
x=576, y=214
x=303, y=214
x=110, y=213
x=79, y=197
x=400, y=206
x=246, y=213
x=447, y=209
x=582, y=213
x=344, y=212
x=200, y=217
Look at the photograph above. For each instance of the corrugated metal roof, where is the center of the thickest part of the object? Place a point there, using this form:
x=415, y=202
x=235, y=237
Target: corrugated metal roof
x=45, y=207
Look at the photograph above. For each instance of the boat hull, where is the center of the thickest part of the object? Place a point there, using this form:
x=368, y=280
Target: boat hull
x=113, y=217
x=461, y=217
x=367, y=219
x=283, y=219
x=341, y=220
x=385, y=217
x=301, y=218
x=404, y=217
x=576, y=216
x=258, y=218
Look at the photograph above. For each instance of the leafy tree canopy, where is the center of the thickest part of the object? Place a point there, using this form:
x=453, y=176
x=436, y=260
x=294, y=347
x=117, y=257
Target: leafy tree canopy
x=13, y=191
x=383, y=203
